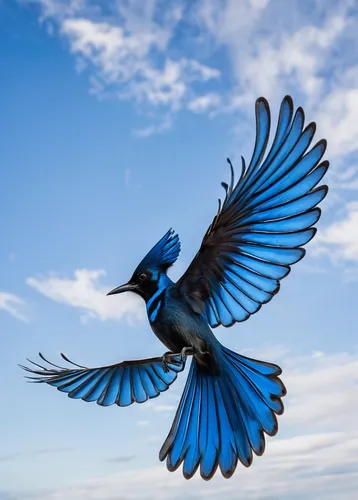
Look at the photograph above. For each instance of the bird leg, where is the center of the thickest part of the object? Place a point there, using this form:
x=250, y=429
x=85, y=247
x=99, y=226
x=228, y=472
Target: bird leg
x=169, y=357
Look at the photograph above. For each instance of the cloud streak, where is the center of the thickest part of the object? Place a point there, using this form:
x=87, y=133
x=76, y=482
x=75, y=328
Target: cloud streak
x=12, y=304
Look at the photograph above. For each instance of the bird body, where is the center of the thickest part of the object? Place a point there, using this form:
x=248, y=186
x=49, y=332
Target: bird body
x=177, y=327
x=229, y=401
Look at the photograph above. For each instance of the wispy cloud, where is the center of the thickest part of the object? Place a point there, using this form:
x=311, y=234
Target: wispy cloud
x=339, y=240
x=320, y=389
x=121, y=57
x=153, y=129
x=13, y=305
x=306, y=54
x=204, y=103
x=126, y=49
x=164, y=408
x=337, y=117
x=292, y=62
x=86, y=294
x=345, y=179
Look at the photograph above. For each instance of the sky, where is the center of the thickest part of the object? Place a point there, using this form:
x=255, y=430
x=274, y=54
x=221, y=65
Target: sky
x=116, y=120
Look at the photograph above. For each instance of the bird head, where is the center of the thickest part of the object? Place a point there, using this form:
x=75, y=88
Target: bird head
x=150, y=274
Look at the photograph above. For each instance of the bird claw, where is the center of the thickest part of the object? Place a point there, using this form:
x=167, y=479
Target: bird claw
x=165, y=361
x=186, y=351
x=169, y=357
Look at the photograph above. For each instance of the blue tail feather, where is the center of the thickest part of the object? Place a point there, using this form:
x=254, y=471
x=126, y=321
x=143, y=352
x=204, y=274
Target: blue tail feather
x=222, y=419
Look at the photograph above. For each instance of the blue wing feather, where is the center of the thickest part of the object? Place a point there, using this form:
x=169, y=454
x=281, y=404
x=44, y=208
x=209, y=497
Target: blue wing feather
x=283, y=127
x=252, y=291
x=281, y=168
x=263, y=223
x=273, y=254
x=269, y=167
x=121, y=384
x=262, y=135
x=290, y=190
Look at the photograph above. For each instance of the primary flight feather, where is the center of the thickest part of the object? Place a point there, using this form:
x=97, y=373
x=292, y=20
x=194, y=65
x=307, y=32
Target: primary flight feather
x=229, y=401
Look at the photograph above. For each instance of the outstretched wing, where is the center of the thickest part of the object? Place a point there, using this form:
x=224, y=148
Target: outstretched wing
x=262, y=224
x=121, y=384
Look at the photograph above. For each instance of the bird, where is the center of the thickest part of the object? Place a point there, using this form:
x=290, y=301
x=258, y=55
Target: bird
x=230, y=401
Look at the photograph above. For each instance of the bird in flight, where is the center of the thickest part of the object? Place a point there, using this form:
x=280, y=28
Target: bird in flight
x=229, y=401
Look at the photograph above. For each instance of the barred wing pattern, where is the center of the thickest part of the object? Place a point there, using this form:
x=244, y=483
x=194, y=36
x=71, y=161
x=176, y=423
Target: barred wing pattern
x=121, y=384
x=262, y=224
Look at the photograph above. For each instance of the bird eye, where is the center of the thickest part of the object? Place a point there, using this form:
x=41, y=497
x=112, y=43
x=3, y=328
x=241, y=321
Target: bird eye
x=143, y=276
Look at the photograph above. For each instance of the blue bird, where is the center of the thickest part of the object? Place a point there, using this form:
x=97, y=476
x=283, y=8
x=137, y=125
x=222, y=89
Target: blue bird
x=230, y=401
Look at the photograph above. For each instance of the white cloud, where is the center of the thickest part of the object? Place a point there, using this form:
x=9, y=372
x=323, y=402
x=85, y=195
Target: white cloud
x=313, y=456
x=169, y=85
x=339, y=239
x=126, y=48
x=12, y=304
x=204, y=103
x=295, y=61
x=274, y=48
x=154, y=129
x=85, y=293
x=345, y=179
x=307, y=56
x=283, y=55
x=338, y=120
x=58, y=8
x=323, y=392
x=117, y=55
x=229, y=21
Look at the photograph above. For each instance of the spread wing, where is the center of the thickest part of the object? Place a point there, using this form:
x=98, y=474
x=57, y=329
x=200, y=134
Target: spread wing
x=121, y=384
x=262, y=224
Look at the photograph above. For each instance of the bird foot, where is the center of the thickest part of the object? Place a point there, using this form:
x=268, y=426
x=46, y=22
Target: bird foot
x=170, y=357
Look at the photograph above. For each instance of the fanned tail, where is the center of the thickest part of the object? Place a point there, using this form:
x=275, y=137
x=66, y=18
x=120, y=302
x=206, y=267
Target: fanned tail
x=222, y=418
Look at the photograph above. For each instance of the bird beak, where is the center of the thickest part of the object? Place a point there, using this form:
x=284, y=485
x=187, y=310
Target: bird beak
x=127, y=287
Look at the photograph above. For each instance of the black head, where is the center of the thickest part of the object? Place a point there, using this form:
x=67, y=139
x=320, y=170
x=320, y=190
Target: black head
x=143, y=282
x=151, y=272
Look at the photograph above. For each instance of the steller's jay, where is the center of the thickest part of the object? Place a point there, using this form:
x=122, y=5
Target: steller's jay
x=229, y=400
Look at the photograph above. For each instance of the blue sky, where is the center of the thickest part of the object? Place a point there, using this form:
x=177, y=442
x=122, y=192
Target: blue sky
x=116, y=119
